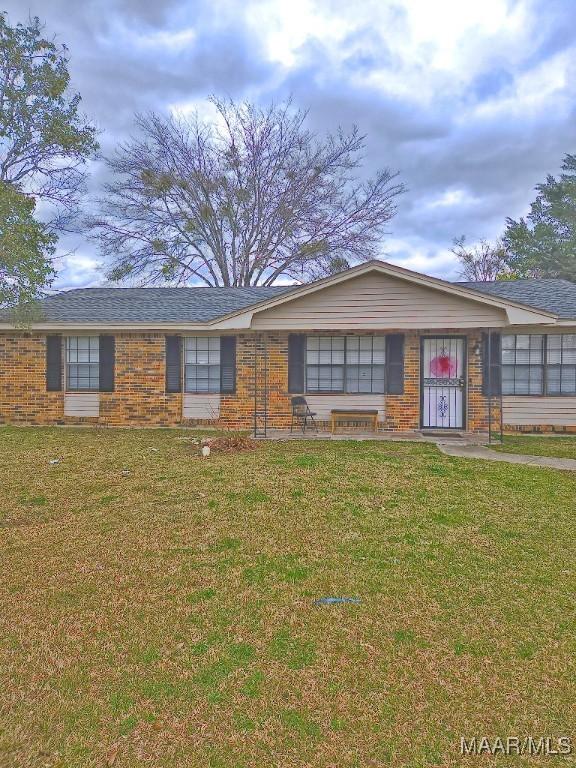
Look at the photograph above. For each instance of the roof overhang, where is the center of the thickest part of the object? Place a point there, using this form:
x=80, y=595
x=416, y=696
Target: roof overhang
x=516, y=313
x=241, y=320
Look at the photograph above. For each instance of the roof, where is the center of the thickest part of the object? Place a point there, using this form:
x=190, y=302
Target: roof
x=155, y=305
x=524, y=301
x=552, y=295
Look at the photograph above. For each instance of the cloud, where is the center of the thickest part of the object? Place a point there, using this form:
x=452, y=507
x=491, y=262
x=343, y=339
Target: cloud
x=473, y=103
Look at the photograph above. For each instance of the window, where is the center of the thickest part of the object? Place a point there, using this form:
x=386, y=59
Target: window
x=522, y=365
x=365, y=363
x=352, y=364
x=202, y=364
x=537, y=365
x=561, y=364
x=82, y=363
x=325, y=363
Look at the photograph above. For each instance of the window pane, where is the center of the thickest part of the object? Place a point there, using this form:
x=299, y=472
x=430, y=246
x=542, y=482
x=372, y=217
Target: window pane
x=553, y=380
x=561, y=380
x=527, y=380
x=82, y=349
x=508, y=342
x=202, y=350
x=325, y=350
x=378, y=379
x=569, y=349
x=365, y=378
x=522, y=369
x=507, y=379
x=561, y=358
x=80, y=376
x=201, y=378
x=554, y=349
x=325, y=378
x=379, y=350
x=568, y=379
x=202, y=356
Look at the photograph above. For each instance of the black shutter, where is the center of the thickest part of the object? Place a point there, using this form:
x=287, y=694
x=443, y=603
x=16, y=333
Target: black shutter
x=228, y=364
x=395, y=363
x=107, y=347
x=296, y=347
x=173, y=364
x=492, y=368
x=53, y=363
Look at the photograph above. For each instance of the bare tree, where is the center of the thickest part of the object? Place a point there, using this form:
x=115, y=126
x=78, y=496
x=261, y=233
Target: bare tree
x=244, y=200
x=484, y=262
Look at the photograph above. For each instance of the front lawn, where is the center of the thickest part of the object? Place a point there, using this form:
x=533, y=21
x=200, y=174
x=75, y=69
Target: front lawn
x=553, y=445
x=158, y=608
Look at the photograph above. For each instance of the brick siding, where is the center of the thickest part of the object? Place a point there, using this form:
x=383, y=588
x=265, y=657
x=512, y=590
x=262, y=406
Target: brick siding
x=140, y=398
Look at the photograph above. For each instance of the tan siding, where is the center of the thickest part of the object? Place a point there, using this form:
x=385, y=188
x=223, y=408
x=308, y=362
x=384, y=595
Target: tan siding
x=81, y=404
x=323, y=404
x=539, y=329
x=559, y=411
x=379, y=301
x=200, y=406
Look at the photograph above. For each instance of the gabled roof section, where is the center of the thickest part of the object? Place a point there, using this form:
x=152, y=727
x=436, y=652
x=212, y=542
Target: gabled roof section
x=553, y=295
x=517, y=312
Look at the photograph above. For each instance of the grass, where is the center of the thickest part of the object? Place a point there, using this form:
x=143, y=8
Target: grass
x=166, y=616
x=554, y=445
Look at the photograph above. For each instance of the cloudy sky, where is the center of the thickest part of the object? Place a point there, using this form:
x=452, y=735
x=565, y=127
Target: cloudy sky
x=472, y=101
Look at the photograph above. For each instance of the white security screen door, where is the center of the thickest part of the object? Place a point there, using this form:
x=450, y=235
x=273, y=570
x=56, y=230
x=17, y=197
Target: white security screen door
x=443, y=381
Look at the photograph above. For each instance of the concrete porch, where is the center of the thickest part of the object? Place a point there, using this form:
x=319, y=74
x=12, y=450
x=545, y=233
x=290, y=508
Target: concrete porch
x=417, y=436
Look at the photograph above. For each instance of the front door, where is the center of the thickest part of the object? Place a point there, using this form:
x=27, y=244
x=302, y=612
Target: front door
x=443, y=382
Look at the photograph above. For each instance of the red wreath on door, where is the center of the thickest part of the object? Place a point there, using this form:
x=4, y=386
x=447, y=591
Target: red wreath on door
x=443, y=366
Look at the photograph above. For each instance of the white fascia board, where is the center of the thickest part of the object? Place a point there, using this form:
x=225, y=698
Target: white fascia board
x=524, y=316
x=99, y=327
x=239, y=322
x=564, y=322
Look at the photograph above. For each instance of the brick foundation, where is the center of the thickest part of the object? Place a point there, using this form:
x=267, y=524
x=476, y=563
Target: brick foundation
x=536, y=429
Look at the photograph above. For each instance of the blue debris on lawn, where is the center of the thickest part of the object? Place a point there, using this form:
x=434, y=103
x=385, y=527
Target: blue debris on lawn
x=333, y=600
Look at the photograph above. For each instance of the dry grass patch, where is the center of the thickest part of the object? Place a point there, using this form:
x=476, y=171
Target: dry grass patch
x=158, y=608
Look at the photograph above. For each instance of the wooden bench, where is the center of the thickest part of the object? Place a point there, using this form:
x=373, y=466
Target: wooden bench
x=355, y=415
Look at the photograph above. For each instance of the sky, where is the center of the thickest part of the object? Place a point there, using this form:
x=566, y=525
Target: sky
x=473, y=102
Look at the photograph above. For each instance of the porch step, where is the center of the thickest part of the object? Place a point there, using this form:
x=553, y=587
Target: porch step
x=441, y=433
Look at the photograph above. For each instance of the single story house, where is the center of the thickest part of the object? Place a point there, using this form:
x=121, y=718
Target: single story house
x=424, y=353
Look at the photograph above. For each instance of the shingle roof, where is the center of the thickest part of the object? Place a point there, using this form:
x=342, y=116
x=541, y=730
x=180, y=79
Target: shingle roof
x=156, y=305
x=204, y=304
x=551, y=295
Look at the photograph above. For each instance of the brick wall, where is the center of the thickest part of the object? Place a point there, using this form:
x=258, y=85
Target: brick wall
x=478, y=415
x=402, y=412
x=139, y=395
x=557, y=429
x=23, y=396
x=237, y=410
x=140, y=399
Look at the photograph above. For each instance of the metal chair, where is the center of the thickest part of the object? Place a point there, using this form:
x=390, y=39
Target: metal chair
x=301, y=414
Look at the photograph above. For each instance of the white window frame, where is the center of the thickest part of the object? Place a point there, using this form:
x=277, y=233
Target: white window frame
x=335, y=359
x=86, y=357
x=561, y=358
x=201, y=354
x=554, y=357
